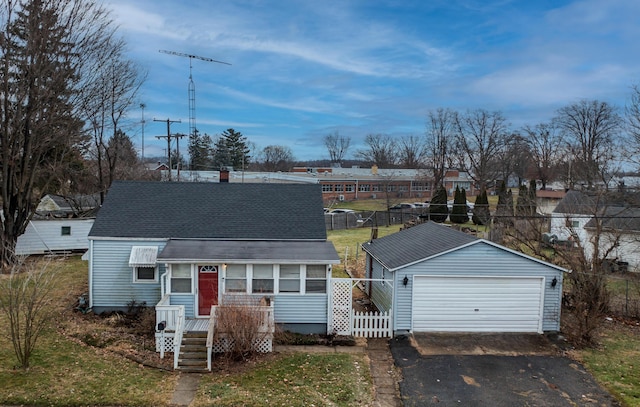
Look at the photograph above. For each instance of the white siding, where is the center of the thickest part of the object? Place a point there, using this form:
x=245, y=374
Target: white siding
x=477, y=304
x=44, y=236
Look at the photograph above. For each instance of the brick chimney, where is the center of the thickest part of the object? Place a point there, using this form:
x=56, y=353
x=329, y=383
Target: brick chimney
x=224, y=174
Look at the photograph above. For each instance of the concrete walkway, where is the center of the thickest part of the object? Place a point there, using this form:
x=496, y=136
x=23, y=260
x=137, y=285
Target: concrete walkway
x=383, y=372
x=186, y=389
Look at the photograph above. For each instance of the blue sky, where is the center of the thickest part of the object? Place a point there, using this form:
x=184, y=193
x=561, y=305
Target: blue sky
x=303, y=69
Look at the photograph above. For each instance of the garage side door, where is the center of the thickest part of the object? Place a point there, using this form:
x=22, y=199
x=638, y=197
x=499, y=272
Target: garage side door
x=477, y=304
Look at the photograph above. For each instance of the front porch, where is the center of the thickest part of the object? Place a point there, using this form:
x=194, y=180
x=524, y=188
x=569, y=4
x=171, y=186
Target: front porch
x=193, y=341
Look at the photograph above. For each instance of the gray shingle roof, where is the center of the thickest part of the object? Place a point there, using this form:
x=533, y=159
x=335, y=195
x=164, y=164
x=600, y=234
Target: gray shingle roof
x=416, y=243
x=617, y=218
x=205, y=210
x=576, y=202
x=240, y=250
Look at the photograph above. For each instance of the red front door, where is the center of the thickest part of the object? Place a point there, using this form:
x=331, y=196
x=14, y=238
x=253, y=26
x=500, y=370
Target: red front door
x=207, y=288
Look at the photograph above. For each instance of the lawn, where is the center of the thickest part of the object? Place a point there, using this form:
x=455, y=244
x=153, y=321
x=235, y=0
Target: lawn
x=614, y=363
x=65, y=371
x=298, y=379
x=347, y=243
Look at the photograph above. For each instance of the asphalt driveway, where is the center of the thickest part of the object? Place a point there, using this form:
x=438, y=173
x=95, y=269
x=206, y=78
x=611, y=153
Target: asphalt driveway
x=471, y=371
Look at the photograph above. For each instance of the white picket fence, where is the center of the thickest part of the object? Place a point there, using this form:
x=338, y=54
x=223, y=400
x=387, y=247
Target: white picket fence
x=371, y=324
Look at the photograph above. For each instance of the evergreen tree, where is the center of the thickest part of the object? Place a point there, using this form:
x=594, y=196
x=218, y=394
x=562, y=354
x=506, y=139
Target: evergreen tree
x=481, y=212
x=200, y=147
x=459, y=210
x=504, y=210
x=532, y=197
x=438, y=210
x=522, y=203
x=231, y=150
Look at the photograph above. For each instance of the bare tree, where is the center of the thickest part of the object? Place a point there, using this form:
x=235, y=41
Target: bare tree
x=27, y=304
x=588, y=232
x=276, y=158
x=47, y=47
x=480, y=136
x=632, y=116
x=591, y=130
x=545, y=148
x=440, y=138
x=114, y=91
x=337, y=146
x=382, y=151
x=412, y=152
x=514, y=158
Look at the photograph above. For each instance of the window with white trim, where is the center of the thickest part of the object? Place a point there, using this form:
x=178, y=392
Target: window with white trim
x=181, y=278
x=144, y=275
x=289, y=281
x=236, y=278
x=262, y=281
x=316, y=279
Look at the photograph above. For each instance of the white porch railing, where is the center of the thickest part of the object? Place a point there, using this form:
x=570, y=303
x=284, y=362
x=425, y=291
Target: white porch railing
x=372, y=324
x=177, y=339
x=168, y=313
x=210, y=335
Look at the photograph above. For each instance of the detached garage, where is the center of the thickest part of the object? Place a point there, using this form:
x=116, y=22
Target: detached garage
x=448, y=281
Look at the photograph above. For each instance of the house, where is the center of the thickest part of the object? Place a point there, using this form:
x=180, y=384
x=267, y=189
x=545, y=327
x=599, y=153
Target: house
x=548, y=200
x=437, y=279
x=615, y=218
x=192, y=245
x=56, y=235
x=60, y=224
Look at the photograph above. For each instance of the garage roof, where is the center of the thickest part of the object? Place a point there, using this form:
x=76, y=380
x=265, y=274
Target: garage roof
x=416, y=243
x=425, y=241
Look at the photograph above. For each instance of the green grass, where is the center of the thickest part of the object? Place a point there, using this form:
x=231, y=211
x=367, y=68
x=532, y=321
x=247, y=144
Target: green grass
x=64, y=372
x=298, y=379
x=347, y=243
x=615, y=364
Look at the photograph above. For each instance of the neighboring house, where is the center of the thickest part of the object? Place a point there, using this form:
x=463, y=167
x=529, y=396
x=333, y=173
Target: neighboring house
x=547, y=200
x=51, y=236
x=580, y=217
x=443, y=280
x=61, y=224
x=60, y=206
x=197, y=244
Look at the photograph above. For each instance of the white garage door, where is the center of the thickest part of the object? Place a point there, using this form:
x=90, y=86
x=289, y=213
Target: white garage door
x=477, y=304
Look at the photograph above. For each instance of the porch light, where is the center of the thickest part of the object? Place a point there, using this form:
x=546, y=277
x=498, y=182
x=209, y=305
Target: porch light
x=162, y=325
x=405, y=281
x=554, y=282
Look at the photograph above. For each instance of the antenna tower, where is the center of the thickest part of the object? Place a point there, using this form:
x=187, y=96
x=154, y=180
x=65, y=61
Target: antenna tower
x=192, y=86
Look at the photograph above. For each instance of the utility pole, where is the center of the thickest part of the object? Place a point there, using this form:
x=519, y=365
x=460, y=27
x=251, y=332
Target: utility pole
x=142, y=106
x=168, y=137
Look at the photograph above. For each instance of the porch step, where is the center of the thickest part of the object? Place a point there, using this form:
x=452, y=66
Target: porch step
x=193, y=352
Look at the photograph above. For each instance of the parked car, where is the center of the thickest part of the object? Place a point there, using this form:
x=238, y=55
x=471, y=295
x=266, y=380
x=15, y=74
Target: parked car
x=342, y=210
x=402, y=207
x=420, y=205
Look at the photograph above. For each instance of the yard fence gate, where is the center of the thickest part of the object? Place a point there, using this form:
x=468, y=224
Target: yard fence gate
x=344, y=320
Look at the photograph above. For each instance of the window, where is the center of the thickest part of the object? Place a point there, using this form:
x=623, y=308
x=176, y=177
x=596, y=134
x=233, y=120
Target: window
x=404, y=188
x=364, y=187
x=236, y=278
x=348, y=188
x=289, y=278
x=376, y=188
x=339, y=187
x=316, y=281
x=65, y=231
x=144, y=274
x=181, y=278
x=262, y=278
x=575, y=224
x=326, y=187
